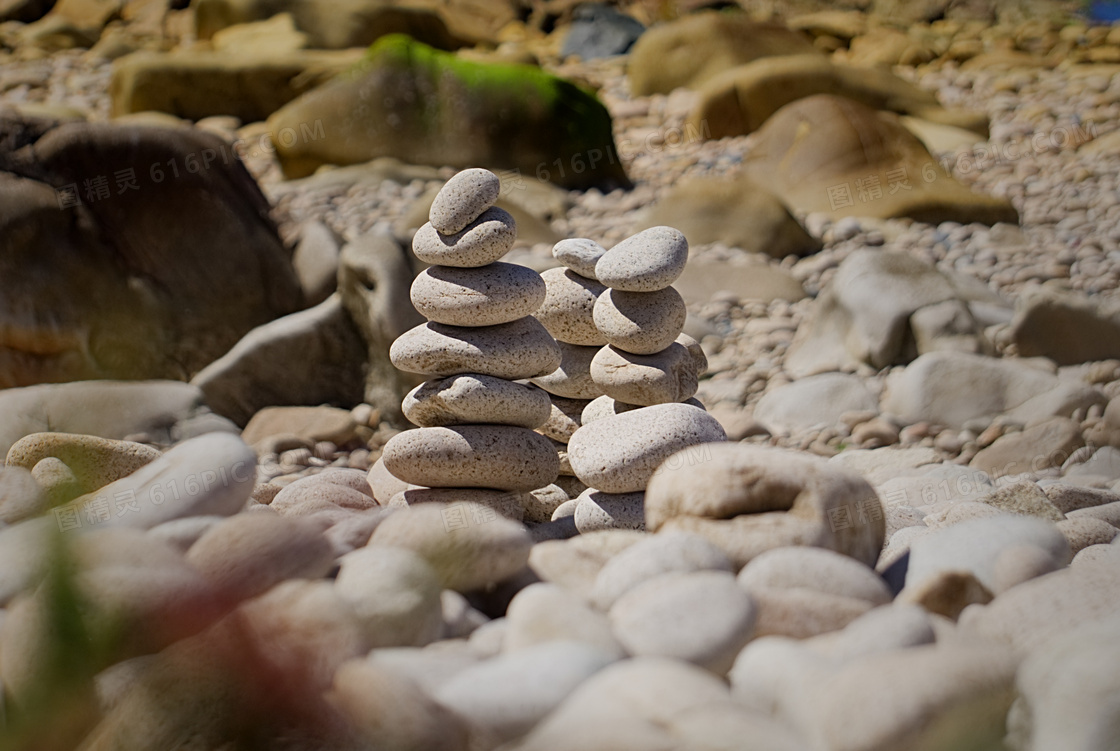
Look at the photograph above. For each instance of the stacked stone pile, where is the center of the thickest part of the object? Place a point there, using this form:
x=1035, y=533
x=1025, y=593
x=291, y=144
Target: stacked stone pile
x=476, y=440
x=645, y=372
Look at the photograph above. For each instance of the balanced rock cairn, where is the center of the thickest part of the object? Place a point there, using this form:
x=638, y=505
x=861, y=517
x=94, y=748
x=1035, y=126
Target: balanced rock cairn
x=476, y=440
x=647, y=373
x=568, y=314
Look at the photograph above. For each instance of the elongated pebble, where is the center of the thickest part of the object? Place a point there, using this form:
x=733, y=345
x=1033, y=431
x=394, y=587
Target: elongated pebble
x=463, y=198
x=473, y=398
x=646, y=262
x=483, y=241
x=605, y=406
x=579, y=254
x=668, y=376
x=519, y=349
x=641, y=323
x=502, y=457
x=572, y=377
x=620, y=454
x=567, y=310
x=482, y=296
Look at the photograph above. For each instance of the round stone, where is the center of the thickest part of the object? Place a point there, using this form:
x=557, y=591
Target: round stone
x=642, y=323
x=564, y=420
x=702, y=617
x=483, y=296
x=668, y=376
x=483, y=241
x=572, y=379
x=506, y=503
x=597, y=511
x=473, y=398
x=579, y=254
x=619, y=454
x=646, y=262
x=519, y=349
x=502, y=457
x=463, y=198
x=568, y=308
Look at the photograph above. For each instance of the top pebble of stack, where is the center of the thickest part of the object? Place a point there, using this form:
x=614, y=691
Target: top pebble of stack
x=463, y=199
x=647, y=262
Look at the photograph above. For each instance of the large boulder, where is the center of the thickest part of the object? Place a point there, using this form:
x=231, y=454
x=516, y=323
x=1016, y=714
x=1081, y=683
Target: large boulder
x=690, y=51
x=194, y=84
x=132, y=252
x=951, y=388
x=359, y=23
x=736, y=212
x=738, y=101
x=833, y=155
x=1068, y=329
x=424, y=106
x=875, y=311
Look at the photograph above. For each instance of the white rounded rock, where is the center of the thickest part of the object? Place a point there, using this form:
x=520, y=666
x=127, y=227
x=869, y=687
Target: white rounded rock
x=463, y=198
x=656, y=555
x=483, y=241
x=502, y=457
x=646, y=262
x=671, y=375
x=571, y=379
x=472, y=398
x=579, y=254
x=642, y=323
x=620, y=454
x=597, y=511
x=568, y=307
x=394, y=593
x=702, y=617
x=519, y=349
x=604, y=406
x=482, y=296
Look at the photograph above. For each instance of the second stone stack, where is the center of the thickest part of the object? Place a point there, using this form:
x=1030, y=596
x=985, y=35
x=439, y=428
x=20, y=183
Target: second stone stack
x=476, y=440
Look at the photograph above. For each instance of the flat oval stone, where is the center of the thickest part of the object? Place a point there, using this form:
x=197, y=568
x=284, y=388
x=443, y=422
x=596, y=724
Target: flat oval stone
x=472, y=398
x=568, y=308
x=572, y=378
x=482, y=296
x=579, y=254
x=646, y=262
x=668, y=376
x=483, y=241
x=502, y=457
x=642, y=323
x=509, y=504
x=463, y=198
x=519, y=349
x=619, y=454
x=605, y=406
x=564, y=419
x=597, y=511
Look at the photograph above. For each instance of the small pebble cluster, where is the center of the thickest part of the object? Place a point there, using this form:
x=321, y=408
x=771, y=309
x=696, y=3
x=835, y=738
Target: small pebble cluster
x=476, y=441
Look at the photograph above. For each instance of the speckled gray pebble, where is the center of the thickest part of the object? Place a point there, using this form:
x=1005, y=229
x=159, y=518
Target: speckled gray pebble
x=619, y=454
x=519, y=349
x=597, y=511
x=502, y=457
x=473, y=398
x=646, y=262
x=483, y=296
x=572, y=378
x=483, y=241
x=463, y=198
x=568, y=307
x=564, y=419
x=642, y=323
x=668, y=376
x=579, y=254
x=605, y=406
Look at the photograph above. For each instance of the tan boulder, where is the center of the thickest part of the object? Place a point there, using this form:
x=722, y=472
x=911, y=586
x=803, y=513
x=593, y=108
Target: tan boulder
x=833, y=155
